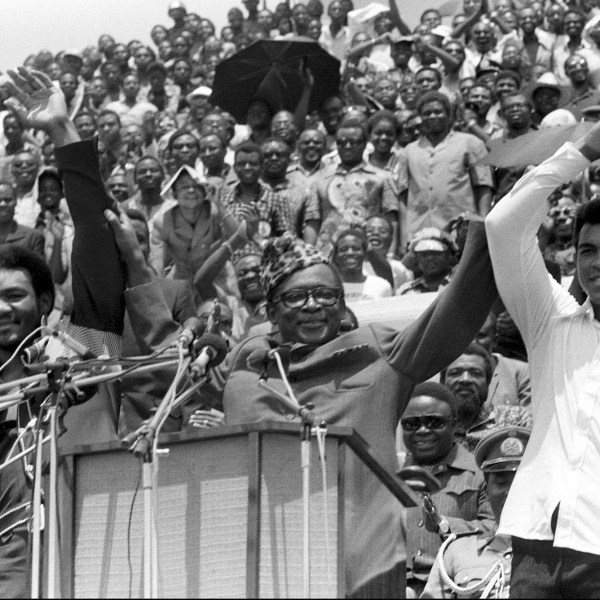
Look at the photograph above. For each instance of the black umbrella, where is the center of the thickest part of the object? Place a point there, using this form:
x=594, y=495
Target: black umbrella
x=270, y=70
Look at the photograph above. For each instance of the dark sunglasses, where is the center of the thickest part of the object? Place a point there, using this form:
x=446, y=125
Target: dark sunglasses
x=429, y=421
x=298, y=298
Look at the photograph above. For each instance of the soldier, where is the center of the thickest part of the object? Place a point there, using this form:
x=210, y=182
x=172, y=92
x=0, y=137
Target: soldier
x=472, y=565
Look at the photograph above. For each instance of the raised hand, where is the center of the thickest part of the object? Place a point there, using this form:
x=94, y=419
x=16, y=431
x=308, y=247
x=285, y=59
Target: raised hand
x=40, y=105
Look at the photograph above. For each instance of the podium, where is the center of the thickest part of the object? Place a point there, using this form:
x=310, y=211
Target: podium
x=229, y=515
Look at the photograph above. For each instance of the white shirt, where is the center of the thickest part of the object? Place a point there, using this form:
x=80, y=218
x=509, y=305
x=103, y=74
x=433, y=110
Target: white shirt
x=562, y=460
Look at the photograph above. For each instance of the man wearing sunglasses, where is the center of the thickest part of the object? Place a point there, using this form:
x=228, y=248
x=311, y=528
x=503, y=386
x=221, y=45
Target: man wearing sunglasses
x=361, y=379
x=461, y=505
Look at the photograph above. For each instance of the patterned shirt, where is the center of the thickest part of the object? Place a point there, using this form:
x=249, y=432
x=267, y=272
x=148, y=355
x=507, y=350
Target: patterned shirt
x=418, y=286
x=349, y=197
x=273, y=212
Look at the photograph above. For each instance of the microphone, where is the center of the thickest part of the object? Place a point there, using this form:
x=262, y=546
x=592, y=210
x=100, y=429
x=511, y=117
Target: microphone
x=36, y=350
x=192, y=328
x=213, y=350
x=261, y=360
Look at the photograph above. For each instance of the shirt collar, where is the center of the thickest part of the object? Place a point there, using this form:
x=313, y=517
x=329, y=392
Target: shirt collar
x=458, y=458
x=362, y=166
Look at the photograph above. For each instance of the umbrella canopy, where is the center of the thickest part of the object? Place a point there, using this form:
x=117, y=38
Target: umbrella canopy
x=270, y=70
x=534, y=147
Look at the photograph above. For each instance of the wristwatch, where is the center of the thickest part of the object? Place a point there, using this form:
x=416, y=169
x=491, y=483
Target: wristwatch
x=444, y=528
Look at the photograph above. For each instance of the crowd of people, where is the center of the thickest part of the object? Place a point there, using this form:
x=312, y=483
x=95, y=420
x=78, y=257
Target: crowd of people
x=121, y=178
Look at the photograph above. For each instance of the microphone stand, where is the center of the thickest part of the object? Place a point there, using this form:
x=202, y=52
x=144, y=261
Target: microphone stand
x=57, y=376
x=143, y=443
x=308, y=422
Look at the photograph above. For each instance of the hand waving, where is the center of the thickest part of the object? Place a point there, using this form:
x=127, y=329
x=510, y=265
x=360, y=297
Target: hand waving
x=37, y=102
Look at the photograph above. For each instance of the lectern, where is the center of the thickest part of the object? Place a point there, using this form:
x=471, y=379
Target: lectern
x=229, y=515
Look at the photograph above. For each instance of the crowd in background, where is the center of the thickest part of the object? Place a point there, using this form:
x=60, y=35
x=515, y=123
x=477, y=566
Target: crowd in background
x=384, y=177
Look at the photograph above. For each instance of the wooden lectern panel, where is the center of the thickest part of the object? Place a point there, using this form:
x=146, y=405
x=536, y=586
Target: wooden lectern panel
x=221, y=534
x=202, y=520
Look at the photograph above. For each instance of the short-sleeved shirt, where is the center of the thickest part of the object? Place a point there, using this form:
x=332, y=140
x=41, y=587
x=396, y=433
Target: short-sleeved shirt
x=441, y=179
x=273, y=213
x=302, y=206
x=349, y=197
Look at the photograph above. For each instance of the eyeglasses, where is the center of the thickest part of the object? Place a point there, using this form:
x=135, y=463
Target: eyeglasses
x=429, y=421
x=298, y=298
x=351, y=143
x=565, y=211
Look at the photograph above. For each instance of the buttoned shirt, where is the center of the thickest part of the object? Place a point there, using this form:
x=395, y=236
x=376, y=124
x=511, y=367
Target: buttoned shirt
x=467, y=560
x=335, y=45
x=347, y=197
x=302, y=206
x=418, y=286
x=273, y=213
x=462, y=499
x=561, y=464
x=440, y=179
x=577, y=103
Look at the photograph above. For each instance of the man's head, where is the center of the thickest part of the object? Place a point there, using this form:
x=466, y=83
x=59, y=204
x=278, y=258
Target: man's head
x=157, y=75
x=349, y=251
x=8, y=203
x=507, y=82
x=304, y=292
x=546, y=95
x=97, y=90
x=283, y=127
x=50, y=191
x=409, y=94
x=184, y=148
x=431, y=17
x=311, y=147
x=483, y=36
x=258, y=115
x=177, y=12
x=331, y=113
x=577, y=70
x=435, y=111
x=499, y=455
x=212, y=152
x=68, y=85
x=336, y=12
x=435, y=252
x=109, y=127
x=300, y=17
x=85, y=123
x=401, y=52
x=219, y=125
x=26, y=293
x=386, y=93
x=24, y=168
x=428, y=79
x=142, y=58
x=516, y=110
x=428, y=423
x=351, y=142
x=119, y=188
x=563, y=218
x=378, y=231
x=468, y=378
x=574, y=22
x=586, y=237
x=248, y=163
x=528, y=20
x=13, y=130
x=276, y=158
x=131, y=87
x=112, y=75
x=264, y=20
x=148, y=174
x=247, y=272
x=480, y=97
x=314, y=29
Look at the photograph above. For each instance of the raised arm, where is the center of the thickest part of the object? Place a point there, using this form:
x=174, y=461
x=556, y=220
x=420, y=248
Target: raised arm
x=98, y=280
x=526, y=289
